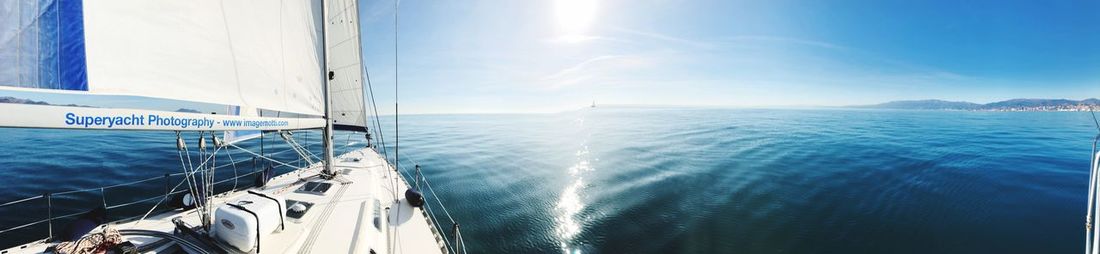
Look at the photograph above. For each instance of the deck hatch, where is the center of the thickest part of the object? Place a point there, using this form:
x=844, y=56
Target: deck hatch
x=317, y=188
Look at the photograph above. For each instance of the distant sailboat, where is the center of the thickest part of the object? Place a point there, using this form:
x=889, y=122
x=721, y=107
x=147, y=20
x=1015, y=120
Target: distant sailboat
x=300, y=57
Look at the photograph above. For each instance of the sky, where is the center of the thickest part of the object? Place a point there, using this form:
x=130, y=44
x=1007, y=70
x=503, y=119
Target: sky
x=487, y=56
x=496, y=56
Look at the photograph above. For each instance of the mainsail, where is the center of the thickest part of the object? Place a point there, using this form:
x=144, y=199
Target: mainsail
x=253, y=54
x=262, y=54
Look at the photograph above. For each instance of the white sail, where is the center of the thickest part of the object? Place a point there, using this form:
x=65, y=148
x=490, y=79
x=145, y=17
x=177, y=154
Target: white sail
x=345, y=63
x=255, y=53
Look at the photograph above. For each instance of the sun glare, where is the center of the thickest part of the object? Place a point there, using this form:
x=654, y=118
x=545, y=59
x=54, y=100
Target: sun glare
x=574, y=16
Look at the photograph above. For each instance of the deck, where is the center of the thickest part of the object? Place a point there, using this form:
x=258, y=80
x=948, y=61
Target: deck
x=342, y=220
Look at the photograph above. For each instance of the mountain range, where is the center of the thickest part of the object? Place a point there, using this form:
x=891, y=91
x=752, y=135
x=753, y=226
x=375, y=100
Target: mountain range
x=1007, y=105
x=9, y=99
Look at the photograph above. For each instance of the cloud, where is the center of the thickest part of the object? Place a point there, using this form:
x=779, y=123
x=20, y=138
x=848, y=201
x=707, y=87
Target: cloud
x=664, y=38
x=787, y=40
x=571, y=39
x=604, y=69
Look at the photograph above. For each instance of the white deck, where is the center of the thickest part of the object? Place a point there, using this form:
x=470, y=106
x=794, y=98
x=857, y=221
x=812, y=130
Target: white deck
x=340, y=221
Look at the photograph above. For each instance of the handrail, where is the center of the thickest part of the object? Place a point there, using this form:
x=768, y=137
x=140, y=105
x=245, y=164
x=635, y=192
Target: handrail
x=21, y=201
x=1092, y=234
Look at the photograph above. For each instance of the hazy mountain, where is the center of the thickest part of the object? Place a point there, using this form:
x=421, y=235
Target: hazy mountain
x=1000, y=105
x=1016, y=103
x=9, y=99
x=187, y=110
x=928, y=104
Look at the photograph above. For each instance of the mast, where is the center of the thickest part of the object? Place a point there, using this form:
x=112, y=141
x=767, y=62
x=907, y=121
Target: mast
x=326, y=133
x=396, y=113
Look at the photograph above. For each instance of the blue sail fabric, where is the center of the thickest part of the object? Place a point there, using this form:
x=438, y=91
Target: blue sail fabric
x=42, y=45
x=73, y=70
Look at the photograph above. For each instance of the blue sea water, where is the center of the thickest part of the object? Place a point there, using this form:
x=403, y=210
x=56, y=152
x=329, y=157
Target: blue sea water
x=677, y=180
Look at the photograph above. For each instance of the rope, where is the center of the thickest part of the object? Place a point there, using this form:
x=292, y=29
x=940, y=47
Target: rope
x=91, y=243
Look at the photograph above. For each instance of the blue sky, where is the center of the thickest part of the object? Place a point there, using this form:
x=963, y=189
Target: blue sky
x=556, y=55
x=489, y=56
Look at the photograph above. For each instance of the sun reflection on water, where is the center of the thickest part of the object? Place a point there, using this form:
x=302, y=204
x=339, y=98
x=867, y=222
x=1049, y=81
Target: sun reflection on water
x=570, y=203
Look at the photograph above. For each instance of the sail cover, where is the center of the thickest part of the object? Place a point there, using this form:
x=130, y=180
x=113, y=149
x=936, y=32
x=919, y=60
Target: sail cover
x=254, y=53
x=346, y=65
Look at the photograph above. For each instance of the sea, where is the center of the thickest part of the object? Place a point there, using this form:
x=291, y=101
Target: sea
x=647, y=179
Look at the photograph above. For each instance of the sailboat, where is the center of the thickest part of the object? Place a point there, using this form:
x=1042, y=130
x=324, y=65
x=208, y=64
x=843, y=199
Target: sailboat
x=299, y=58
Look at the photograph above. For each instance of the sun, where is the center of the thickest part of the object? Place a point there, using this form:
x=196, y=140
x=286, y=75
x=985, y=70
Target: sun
x=574, y=16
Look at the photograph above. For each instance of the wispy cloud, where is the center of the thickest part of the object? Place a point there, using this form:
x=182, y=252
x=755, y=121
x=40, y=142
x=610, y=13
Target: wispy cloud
x=568, y=39
x=787, y=40
x=575, y=69
x=664, y=38
x=596, y=70
x=832, y=61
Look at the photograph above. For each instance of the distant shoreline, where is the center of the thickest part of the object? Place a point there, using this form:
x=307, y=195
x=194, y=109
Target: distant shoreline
x=1013, y=105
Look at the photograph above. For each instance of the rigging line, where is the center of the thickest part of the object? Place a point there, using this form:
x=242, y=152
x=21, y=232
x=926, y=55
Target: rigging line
x=436, y=197
x=188, y=173
x=302, y=151
x=208, y=159
x=138, y=222
x=207, y=172
x=233, y=163
x=1097, y=122
x=266, y=158
x=374, y=108
x=163, y=199
x=377, y=122
x=212, y=169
